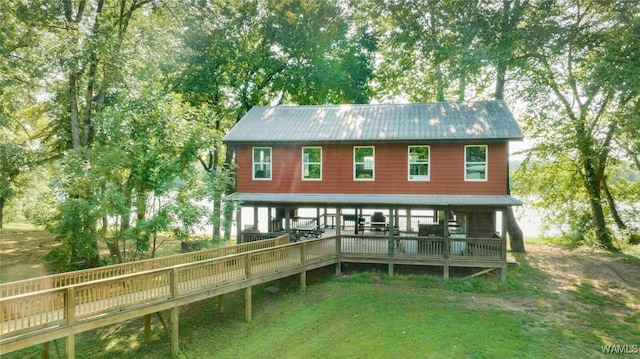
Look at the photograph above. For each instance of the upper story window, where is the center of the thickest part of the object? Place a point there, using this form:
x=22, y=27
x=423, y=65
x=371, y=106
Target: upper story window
x=262, y=163
x=475, y=163
x=364, y=163
x=419, y=163
x=311, y=163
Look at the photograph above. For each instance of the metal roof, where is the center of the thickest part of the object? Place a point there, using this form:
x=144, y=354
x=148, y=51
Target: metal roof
x=442, y=121
x=376, y=200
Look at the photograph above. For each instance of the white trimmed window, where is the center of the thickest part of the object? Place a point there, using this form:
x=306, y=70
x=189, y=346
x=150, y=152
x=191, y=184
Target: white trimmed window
x=312, y=163
x=475, y=163
x=262, y=163
x=364, y=163
x=419, y=163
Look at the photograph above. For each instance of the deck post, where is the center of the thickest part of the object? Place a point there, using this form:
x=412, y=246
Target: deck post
x=70, y=314
x=147, y=328
x=303, y=280
x=503, y=254
x=445, y=250
x=409, y=220
x=338, y=223
x=391, y=243
x=220, y=303
x=247, y=304
x=175, y=348
x=303, y=262
x=45, y=350
x=173, y=313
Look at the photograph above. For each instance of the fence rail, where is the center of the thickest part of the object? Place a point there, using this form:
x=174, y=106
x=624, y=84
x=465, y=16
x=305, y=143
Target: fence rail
x=88, y=275
x=485, y=249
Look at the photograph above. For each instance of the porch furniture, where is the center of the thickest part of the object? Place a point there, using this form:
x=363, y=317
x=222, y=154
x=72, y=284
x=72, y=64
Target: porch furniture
x=378, y=221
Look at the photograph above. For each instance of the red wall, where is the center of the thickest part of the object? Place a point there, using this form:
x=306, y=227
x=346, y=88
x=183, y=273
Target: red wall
x=447, y=171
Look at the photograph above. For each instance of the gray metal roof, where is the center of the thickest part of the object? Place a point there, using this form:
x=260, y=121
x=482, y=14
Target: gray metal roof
x=376, y=200
x=441, y=121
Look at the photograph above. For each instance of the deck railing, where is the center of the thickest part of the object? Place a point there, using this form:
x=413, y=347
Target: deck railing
x=485, y=249
x=77, y=277
x=74, y=303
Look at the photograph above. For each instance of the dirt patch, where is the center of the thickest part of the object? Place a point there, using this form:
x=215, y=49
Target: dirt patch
x=572, y=283
x=22, y=252
x=567, y=270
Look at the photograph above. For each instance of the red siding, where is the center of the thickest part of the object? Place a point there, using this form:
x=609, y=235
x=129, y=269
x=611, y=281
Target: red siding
x=447, y=171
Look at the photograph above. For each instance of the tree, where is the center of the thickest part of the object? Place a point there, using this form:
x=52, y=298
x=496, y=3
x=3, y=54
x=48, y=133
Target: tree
x=242, y=54
x=580, y=107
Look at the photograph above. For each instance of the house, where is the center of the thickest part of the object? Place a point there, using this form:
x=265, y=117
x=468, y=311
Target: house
x=430, y=172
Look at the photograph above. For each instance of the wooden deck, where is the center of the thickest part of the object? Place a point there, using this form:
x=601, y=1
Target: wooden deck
x=44, y=309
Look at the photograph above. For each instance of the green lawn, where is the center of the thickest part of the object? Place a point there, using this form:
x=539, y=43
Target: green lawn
x=371, y=316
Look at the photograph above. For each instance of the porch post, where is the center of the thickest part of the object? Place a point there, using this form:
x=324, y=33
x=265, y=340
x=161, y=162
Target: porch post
x=287, y=219
x=269, y=218
x=325, y=217
x=357, y=214
x=391, y=239
x=239, y=225
x=338, y=240
x=255, y=217
x=503, y=255
x=445, y=250
x=409, y=220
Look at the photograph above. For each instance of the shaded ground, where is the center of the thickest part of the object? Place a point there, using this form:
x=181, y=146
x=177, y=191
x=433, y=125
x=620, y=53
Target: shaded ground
x=22, y=252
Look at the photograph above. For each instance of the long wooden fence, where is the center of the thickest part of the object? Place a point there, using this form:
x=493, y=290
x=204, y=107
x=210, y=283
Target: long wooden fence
x=86, y=300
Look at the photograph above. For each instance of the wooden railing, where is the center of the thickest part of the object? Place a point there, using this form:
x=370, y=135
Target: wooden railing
x=88, y=275
x=485, y=249
x=58, y=308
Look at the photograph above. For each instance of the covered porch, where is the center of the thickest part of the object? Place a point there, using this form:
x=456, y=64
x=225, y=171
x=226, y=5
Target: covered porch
x=430, y=230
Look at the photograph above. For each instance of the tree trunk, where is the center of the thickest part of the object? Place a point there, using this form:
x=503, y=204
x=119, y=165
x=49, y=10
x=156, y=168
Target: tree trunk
x=73, y=102
x=603, y=236
x=1, y=211
x=612, y=206
x=516, y=238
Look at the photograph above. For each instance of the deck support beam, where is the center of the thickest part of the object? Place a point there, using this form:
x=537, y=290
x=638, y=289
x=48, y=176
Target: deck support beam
x=220, y=303
x=175, y=348
x=70, y=314
x=247, y=304
x=338, y=223
x=147, y=328
x=391, y=244
x=303, y=281
x=45, y=350
x=445, y=250
x=503, y=254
